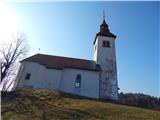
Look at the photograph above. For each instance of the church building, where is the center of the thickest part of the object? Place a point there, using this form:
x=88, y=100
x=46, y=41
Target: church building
x=95, y=78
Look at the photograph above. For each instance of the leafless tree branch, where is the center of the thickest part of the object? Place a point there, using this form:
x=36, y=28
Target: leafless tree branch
x=10, y=56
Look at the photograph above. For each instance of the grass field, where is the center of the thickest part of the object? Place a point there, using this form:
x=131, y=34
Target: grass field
x=49, y=105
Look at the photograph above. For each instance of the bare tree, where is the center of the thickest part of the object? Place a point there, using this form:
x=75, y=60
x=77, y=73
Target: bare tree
x=10, y=54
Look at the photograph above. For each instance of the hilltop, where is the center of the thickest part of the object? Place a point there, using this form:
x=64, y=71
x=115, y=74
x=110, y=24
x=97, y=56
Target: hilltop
x=50, y=105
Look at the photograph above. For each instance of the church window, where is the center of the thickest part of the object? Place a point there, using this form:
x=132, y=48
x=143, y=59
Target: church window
x=106, y=44
x=78, y=81
x=28, y=75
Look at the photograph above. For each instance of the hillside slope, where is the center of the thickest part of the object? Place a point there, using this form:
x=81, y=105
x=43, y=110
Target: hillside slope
x=49, y=105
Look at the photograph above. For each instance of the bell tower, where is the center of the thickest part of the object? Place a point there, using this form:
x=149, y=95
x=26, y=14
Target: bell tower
x=105, y=56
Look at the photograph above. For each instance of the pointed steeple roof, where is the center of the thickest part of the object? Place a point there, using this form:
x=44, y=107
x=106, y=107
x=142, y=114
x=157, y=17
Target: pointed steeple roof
x=104, y=27
x=104, y=24
x=104, y=30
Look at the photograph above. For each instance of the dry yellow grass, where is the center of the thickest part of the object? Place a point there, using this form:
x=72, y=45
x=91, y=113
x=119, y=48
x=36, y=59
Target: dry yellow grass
x=49, y=105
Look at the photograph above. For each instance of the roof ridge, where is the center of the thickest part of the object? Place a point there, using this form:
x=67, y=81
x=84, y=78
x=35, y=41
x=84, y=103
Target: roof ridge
x=61, y=57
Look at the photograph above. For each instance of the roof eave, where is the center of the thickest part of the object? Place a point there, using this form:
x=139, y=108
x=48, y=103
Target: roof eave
x=98, y=34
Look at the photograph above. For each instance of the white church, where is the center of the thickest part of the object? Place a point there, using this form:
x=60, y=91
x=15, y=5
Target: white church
x=95, y=78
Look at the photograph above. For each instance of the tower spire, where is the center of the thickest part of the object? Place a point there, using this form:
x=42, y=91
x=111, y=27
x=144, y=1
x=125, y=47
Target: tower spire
x=104, y=26
x=103, y=14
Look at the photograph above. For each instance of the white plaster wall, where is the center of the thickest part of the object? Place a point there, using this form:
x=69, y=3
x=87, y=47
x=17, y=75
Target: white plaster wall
x=61, y=80
x=41, y=77
x=105, y=53
x=95, y=51
x=106, y=57
x=108, y=87
x=20, y=71
x=89, y=82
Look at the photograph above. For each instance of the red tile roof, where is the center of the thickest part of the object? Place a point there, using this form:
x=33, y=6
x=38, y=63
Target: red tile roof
x=57, y=62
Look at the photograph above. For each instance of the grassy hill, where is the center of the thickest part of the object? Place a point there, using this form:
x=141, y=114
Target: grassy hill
x=49, y=105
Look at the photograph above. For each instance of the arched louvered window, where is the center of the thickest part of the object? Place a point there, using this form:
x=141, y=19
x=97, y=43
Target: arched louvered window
x=78, y=81
x=106, y=44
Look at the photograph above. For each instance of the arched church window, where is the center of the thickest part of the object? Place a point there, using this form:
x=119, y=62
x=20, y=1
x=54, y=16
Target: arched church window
x=28, y=75
x=78, y=81
x=106, y=44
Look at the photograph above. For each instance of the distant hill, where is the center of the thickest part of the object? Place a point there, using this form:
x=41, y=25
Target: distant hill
x=140, y=100
x=50, y=105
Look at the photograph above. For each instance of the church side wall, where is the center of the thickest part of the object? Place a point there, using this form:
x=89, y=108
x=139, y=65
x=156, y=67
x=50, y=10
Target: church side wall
x=61, y=80
x=41, y=77
x=89, y=82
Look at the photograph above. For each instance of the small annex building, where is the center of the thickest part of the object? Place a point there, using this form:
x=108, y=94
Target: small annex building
x=95, y=78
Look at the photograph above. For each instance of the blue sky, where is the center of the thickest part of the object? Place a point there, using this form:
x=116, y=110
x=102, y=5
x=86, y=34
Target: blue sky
x=69, y=29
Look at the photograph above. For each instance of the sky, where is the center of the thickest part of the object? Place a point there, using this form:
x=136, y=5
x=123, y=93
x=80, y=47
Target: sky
x=69, y=29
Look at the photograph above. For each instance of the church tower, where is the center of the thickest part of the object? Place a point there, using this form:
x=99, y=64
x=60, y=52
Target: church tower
x=105, y=56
